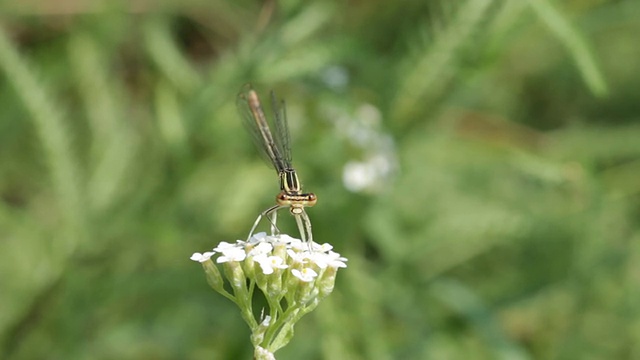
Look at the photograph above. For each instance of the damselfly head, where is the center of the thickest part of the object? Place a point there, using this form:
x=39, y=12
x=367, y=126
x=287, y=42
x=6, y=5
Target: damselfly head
x=299, y=200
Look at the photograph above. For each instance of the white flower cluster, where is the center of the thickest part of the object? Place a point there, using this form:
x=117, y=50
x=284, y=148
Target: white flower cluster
x=294, y=276
x=301, y=257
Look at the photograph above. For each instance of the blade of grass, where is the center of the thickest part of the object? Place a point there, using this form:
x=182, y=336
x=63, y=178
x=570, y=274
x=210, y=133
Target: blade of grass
x=113, y=142
x=561, y=27
x=429, y=75
x=54, y=136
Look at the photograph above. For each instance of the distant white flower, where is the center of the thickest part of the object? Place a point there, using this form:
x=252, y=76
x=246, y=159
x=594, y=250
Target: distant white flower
x=202, y=257
x=268, y=264
x=232, y=254
x=336, y=77
x=306, y=274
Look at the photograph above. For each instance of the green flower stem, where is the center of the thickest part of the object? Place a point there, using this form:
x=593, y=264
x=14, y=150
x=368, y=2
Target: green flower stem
x=252, y=286
x=286, y=332
x=247, y=315
x=273, y=310
x=234, y=272
x=276, y=329
x=228, y=295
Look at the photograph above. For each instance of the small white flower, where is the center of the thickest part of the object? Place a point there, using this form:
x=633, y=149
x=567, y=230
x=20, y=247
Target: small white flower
x=306, y=274
x=261, y=248
x=297, y=257
x=332, y=259
x=319, y=259
x=337, y=264
x=322, y=248
x=269, y=263
x=259, y=237
x=299, y=245
x=232, y=254
x=281, y=239
x=224, y=246
x=335, y=260
x=202, y=257
x=287, y=239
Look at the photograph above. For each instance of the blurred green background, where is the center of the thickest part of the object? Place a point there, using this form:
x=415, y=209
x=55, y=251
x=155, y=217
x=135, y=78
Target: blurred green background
x=477, y=161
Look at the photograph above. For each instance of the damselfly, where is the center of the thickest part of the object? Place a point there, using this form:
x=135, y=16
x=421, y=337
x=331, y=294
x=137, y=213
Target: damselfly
x=276, y=150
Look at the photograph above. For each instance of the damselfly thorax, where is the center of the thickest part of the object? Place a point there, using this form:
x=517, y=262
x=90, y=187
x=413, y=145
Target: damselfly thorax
x=291, y=194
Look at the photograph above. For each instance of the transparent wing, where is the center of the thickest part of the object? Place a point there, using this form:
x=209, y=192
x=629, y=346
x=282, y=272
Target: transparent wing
x=282, y=138
x=254, y=120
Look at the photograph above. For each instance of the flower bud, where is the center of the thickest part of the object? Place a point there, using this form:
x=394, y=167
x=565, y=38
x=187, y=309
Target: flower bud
x=235, y=275
x=326, y=281
x=213, y=275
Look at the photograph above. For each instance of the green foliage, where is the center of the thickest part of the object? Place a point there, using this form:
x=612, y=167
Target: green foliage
x=503, y=222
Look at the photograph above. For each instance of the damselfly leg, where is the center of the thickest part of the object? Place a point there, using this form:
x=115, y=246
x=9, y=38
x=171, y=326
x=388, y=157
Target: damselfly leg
x=271, y=214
